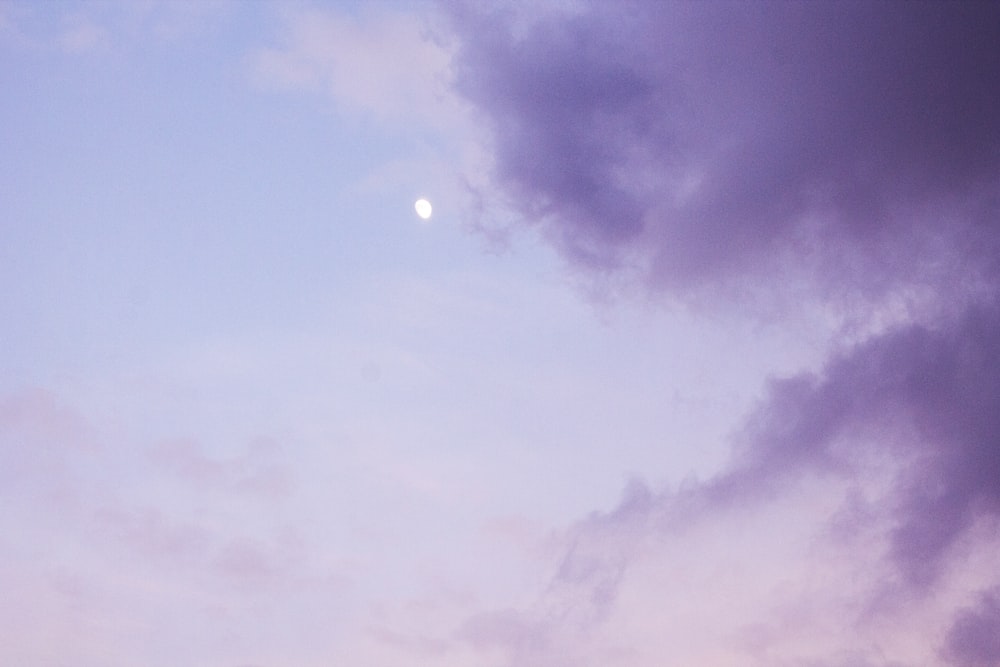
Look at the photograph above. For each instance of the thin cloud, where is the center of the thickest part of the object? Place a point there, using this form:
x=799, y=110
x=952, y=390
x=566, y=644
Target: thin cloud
x=386, y=64
x=257, y=472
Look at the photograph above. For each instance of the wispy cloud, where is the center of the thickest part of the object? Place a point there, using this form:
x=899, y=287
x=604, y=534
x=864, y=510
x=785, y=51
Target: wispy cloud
x=255, y=472
x=78, y=29
x=384, y=63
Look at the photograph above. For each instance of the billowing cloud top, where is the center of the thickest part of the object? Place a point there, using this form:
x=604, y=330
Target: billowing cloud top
x=710, y=140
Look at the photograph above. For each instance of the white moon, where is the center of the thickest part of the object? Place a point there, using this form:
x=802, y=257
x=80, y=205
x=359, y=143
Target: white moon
x=423, y=208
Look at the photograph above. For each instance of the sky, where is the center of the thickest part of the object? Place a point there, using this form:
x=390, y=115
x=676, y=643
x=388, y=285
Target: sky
x=697, y=361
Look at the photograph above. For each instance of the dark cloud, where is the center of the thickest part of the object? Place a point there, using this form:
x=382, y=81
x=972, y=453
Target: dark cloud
x=929, y=397
x=974, y=638
x=924, y=398
x=851, y=147
x=566, y=105
x=711, y=140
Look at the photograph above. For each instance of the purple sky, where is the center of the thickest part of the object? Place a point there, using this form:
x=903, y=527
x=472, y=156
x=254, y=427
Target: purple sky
x=696, y=363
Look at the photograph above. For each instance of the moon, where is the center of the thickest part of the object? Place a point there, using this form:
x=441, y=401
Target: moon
x=423, y=208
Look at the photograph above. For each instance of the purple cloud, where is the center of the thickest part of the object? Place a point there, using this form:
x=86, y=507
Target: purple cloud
x=928, y=396
x=974, y=638
x=848, y=147
x=718, y=142
x=707, y=141
x=927, y=399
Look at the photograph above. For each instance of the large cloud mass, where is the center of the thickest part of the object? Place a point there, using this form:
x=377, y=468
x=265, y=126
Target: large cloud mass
x=850, y=147
x=707, y=138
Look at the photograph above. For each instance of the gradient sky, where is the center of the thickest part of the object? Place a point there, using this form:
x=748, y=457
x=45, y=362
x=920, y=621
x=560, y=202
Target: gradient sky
x=696, y=363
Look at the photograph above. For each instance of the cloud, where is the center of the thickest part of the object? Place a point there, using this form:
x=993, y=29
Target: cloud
x=153, y=536
x=39, y=419
x=709, y=141
x=254, y=473
x=102, y=28
x=974, y=638
x=82, y=35
x=856, y=495
x=387, y=64
x=858, y=142
x=43, y=444
x=389, y=71
x=848, y=154
x=928, y=397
